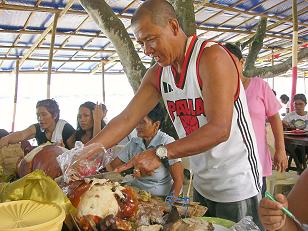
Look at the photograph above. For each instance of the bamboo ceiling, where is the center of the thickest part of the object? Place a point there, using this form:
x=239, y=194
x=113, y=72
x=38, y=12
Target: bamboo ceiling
x=80, y=46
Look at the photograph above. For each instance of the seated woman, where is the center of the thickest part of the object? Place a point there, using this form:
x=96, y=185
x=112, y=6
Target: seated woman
x=90, y=121
x=270, y=212
x=49, y=127
x=149, y=136
x=297, y=119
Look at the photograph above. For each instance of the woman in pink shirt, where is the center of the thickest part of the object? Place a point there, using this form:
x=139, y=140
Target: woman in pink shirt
x=262, y=105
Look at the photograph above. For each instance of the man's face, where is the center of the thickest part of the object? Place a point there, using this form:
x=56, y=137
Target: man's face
x=156, y=40
x=146, y=128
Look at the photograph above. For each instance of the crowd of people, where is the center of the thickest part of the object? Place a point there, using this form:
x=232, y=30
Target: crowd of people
x=50, y=128
x=219, y=116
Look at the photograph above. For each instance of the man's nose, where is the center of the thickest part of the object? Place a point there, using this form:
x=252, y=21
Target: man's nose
x=148, y=50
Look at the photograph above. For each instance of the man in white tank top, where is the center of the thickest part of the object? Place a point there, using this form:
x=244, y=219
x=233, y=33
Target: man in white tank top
x=200, y=86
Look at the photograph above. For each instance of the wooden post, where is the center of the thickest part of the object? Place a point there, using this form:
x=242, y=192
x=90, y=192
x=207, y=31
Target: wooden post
x=103, y=82
x=15, y=95
x=294, y=51
x=52, y=44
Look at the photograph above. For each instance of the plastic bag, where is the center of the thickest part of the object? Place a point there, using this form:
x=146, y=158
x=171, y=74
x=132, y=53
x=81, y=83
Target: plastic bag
x=81, y=161
x=246, y=224
x=35, y=186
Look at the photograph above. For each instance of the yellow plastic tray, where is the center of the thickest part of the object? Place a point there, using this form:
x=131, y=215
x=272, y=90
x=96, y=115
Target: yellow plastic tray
x=27, y=215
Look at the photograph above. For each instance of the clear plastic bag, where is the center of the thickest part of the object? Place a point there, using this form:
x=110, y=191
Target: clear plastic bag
x=81, y=161
x=246, y=224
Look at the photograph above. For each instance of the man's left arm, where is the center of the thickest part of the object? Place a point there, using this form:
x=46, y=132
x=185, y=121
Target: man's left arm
x=219, y=85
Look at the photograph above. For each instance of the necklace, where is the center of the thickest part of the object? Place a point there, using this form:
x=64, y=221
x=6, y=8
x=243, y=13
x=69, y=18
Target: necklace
x=175, y=69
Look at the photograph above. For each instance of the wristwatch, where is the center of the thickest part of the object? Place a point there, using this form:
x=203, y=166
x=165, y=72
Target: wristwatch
x=162, y=153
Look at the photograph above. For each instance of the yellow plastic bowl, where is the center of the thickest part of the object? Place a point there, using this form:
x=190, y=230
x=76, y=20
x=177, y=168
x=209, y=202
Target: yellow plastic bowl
x=27, y=215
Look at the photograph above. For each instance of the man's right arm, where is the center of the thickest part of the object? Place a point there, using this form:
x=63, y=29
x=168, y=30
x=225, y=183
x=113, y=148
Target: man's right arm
x=144, y=101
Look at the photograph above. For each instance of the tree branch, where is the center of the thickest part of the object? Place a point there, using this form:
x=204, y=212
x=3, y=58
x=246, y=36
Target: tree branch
x=246, y=43
x=256, y=45
x=114, y=29
x=272, y=71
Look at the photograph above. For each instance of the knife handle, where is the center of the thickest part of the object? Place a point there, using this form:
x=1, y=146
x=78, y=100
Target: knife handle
x=128, y=171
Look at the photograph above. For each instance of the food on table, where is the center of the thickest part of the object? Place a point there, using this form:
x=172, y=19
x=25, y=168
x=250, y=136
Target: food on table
x=42, y=157
x=192, y=224
x=105, y=205
x=150, y=228
x=297, y=131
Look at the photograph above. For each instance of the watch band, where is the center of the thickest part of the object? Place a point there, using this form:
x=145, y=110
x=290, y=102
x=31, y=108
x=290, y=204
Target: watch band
x=165, y=162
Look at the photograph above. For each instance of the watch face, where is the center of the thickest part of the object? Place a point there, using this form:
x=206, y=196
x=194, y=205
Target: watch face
x=161, y=152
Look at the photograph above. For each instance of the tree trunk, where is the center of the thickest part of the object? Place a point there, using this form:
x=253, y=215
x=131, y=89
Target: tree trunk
x=185, y=14
x=114, y=29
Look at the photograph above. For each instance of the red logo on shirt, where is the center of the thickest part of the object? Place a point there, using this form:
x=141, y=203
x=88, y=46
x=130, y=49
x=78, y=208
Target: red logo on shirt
x=187, y=110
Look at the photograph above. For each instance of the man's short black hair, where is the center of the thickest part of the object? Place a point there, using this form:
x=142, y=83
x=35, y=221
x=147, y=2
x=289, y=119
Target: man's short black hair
x=157, y=113
x=234, y=49
x=160, y=11
x=284, y=97
x=301, y=97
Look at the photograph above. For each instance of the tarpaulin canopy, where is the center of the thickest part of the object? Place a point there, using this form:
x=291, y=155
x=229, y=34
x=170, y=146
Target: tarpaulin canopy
x=80, y=46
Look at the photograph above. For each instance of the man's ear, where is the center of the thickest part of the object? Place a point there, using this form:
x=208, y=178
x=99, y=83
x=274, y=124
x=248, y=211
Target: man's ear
x=174, y=24
x=157, y=125
x=242, y=61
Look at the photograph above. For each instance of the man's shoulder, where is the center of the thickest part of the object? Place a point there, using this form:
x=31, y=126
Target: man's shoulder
x=154, y=69
x=165, y=137
x=152, y=76
x=135, y=141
